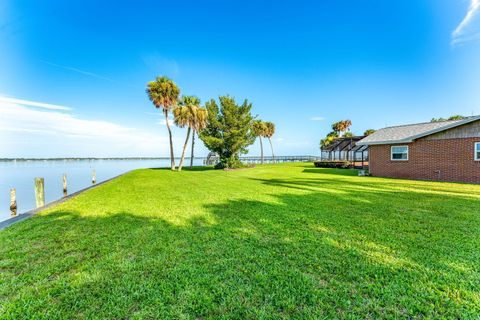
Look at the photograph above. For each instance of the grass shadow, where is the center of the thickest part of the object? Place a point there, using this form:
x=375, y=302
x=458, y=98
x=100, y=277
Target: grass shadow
x=194, y=168
x=340, y=172
x=324, y=249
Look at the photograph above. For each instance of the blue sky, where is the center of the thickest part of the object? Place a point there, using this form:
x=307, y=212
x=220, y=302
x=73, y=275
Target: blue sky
x=73, y=73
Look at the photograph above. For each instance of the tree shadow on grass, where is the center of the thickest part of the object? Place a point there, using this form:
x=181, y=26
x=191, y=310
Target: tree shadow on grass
x=339, y=253
x=376, y=184
x=342, y=172
x=194, y=168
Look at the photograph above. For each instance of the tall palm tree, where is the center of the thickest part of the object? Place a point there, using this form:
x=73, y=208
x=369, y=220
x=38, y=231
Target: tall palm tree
x=259, y=129
x=346, y=125
x=269, y=132
x=201, y=121
x=163, y=92
x=184, y=116
x=342, y=127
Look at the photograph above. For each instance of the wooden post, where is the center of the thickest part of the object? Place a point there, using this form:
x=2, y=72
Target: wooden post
x=94, y=177
x=65, y=192
x=39, y=192
x=13, y=202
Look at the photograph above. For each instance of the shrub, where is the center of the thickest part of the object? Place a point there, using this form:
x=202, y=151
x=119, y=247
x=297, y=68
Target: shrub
x=229, y=163
x=229, y=130
x=340, y=164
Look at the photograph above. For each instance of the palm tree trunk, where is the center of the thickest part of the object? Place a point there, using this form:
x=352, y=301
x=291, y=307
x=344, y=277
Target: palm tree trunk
x=172, y=157
x=261, y=150
x=271, y=147
x=184, y=148
x=193, y=145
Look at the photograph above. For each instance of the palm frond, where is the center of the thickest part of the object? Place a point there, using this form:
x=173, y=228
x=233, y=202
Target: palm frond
x=163, y=93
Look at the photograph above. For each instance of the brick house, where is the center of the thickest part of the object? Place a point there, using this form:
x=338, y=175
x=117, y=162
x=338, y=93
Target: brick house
x=442, y=151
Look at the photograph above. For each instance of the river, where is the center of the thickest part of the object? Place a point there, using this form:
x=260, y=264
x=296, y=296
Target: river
x=21, y=174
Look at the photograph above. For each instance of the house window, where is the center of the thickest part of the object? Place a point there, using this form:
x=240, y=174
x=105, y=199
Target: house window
x=477, y=151
x=399, y=153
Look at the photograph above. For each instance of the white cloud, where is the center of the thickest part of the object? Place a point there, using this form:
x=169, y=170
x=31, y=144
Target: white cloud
x=33, y=103
x=50, y=131
x=164, y=123
x=317, y=118
x=465, y=31
x=161, y=118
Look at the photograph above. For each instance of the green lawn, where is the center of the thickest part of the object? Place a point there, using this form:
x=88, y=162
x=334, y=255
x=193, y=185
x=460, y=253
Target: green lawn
x=277, y=241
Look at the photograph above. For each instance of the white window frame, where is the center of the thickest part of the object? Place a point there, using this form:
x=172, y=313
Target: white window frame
x=476, y=149
x=391, y=153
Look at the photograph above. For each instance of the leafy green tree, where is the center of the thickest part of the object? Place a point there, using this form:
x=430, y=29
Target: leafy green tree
x=455, y=117
x=369, y=132
x=269, y=132
x=185, y=116
x=229, y=130
x=164, y=93
x=348, y=135
x=259, y=129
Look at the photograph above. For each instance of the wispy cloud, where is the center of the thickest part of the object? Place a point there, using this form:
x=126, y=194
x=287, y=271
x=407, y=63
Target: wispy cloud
x=33, y=103
x=161, y=118
x=464, y=31
x=87, y=73
x=317, y=118
x=160, y=64
x=25, y=128
x=19, y=117
x=163, y=122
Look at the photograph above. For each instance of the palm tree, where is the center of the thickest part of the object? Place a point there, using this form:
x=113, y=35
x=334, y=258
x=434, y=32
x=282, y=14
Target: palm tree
x=328, y=139
x=341, y=126
x=269, y=132
x=163, y=92
x=346, y=125
x=259, y=129
x=201, y=121
x=184, y=116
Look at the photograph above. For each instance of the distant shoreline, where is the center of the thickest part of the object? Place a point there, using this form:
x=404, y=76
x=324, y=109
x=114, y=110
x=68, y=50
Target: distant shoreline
x=243, y=158
x=81, y=159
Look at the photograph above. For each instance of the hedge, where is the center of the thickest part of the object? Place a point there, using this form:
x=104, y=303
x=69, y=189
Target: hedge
x=333, y=164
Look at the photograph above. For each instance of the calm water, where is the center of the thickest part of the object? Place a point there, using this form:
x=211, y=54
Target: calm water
x=20, y=175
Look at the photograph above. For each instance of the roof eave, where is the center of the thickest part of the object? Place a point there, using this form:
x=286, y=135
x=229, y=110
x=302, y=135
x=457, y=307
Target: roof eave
x=384, y=142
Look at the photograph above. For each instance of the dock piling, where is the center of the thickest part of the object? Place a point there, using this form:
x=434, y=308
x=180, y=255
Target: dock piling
x=65, y=192
x=39, y=192
x=13, y=202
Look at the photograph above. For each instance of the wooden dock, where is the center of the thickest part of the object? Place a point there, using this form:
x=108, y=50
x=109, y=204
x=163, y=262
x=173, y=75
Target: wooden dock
x=270, y=159
x=278, y=159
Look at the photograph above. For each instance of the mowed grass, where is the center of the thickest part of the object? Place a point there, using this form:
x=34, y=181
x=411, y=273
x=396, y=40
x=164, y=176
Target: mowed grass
x=278, y=241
